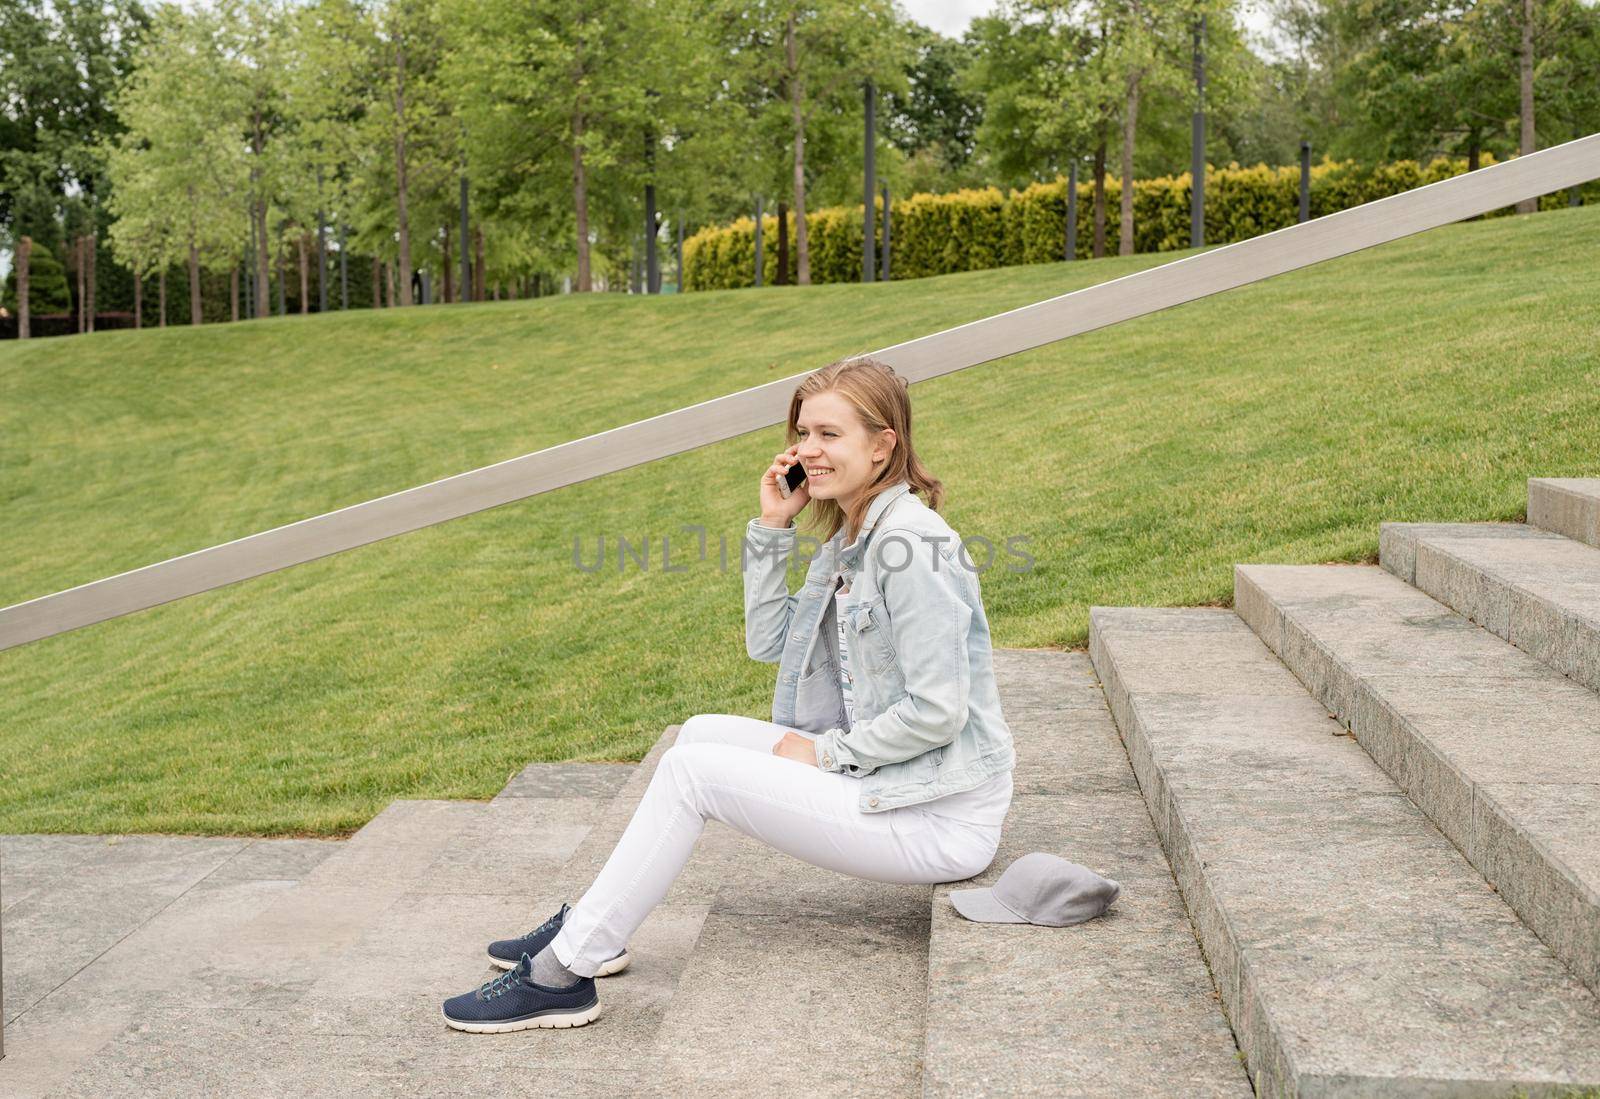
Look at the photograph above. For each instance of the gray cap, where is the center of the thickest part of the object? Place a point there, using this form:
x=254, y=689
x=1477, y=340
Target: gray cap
x=1039, y=888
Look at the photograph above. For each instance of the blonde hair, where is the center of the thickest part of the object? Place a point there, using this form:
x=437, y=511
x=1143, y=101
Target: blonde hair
x=881, y=400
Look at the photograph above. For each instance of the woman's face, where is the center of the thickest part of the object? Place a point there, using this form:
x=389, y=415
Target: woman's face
x=840, y=457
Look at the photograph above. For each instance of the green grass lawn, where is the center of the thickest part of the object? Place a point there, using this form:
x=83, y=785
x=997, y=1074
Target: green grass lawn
x=1424, y=380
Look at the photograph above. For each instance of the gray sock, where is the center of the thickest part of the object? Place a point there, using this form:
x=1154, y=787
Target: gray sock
x=548, y=970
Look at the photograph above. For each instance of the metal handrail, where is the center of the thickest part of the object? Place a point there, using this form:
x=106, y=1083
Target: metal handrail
x=966, y=345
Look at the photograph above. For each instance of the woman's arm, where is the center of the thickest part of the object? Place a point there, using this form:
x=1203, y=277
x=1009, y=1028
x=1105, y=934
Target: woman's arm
x=928, y=622
x=768, y=606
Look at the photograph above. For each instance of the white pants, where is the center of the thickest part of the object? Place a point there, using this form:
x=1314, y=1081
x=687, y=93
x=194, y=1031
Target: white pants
x=722, y=768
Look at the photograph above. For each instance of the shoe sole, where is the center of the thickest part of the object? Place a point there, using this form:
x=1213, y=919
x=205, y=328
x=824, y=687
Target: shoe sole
x=552, y=1021
x=615, y=965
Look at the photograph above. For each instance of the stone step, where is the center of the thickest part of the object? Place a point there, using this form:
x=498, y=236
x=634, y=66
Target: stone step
x=1119, y=1005
x=211, y=960
x=1498, y=749
x=1569, y=506
x=297, y=969
x=1538, y=590
x=96, y=926
x=796, y=977
x=747, y=949
x=1356, y=952
x=498, y=879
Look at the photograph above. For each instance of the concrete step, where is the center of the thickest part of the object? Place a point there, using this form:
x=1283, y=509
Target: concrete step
x=792, y=976
x=103, y=925
x=1538, y=590
x=1498, y=749
x=1120, y=1005
x=220, y=953
x=1356, y=952
x=296, y=968
x=1569, y=506
x=497, y=879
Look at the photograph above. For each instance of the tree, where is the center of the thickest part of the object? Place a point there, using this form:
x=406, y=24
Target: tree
x=1045, y=97
x=555, y=100
x=1419, y=86
x=255, y=41
x=333, y=148
x=47, y=284
x=1147, y=49
x=180, y=164
x=410, y=40
x=144, y=231
x=818, y=57
x=60, y=64
x=1566, y=78
x=934, y=122
x=1525, y=35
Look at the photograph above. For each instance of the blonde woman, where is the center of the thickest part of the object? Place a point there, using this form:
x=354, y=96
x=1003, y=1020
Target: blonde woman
x=887, y=756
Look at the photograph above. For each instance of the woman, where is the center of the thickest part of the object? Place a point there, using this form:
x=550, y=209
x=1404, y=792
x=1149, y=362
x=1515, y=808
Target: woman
x=887, y=758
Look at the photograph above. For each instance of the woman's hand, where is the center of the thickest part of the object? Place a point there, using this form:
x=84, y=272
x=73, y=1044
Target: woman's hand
x=775, y=510
x=796, y=747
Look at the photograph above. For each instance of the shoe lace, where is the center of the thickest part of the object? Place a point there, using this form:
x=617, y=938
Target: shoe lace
x=553, y=921
x=498, y=986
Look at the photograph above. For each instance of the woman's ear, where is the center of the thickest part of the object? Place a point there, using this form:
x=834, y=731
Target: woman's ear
x=884, y=449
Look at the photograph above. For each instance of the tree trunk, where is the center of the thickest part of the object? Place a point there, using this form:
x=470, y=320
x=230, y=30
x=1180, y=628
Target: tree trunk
x=389, y=280
x=802, y=239
x=377, y=283
x=403, y=220
x=233, y=291
x=1100, y=197
x=305, y=275
x=1130, y=125
x=91, y=249
x=1527, y=145
x=138, y=298
x=161, y=300
x=24, y=306
x=477, y=263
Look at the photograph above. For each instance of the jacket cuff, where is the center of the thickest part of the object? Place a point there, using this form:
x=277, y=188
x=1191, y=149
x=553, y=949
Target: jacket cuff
x=833, y=755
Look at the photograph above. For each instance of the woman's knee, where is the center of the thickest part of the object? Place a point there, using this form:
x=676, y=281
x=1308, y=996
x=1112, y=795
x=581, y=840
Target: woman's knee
x=695, y=729
x=687, y=764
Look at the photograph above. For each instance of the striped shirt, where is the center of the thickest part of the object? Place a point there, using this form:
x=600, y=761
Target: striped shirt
x=846, y=680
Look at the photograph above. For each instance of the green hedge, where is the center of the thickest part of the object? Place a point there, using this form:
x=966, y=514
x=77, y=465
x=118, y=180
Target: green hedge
x=976, y=229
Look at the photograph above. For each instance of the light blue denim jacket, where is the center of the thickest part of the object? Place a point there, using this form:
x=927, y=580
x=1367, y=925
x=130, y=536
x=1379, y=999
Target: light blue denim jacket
x=927, y=711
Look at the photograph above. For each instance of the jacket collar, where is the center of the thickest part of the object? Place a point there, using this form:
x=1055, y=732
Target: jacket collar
x=849, y=557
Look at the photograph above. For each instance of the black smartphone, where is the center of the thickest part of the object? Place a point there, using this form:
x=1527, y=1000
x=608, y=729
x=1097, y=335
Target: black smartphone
x=791, y=479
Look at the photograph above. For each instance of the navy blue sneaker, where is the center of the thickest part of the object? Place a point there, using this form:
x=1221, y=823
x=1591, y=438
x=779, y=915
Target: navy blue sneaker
x=512, y=1001
x=506, y=953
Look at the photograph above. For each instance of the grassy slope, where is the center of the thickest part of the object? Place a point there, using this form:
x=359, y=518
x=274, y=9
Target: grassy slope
x=1282, y=422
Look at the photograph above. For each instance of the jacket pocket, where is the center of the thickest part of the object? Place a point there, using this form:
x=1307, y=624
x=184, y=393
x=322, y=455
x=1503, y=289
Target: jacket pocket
x=869, y=629
x=819, y=701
